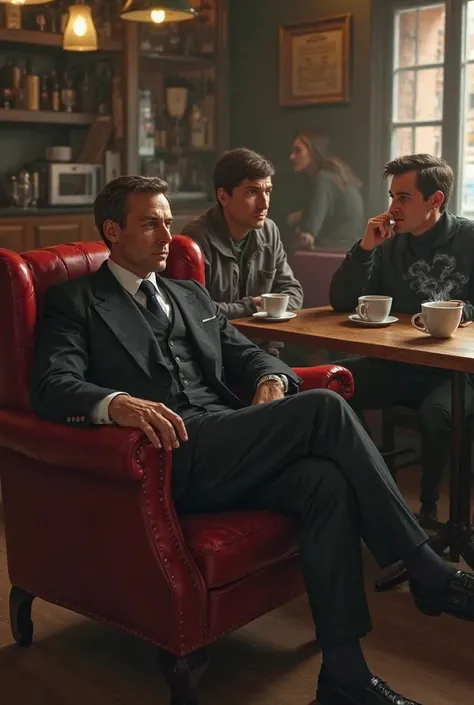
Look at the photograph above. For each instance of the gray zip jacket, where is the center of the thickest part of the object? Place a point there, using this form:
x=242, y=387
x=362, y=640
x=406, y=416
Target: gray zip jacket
x=264, y=267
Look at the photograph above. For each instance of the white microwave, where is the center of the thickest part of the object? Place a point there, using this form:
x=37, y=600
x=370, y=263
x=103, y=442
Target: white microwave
x=69, y=184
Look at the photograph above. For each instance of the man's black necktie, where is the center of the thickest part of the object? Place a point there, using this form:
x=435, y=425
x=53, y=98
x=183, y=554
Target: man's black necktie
x=147, y=288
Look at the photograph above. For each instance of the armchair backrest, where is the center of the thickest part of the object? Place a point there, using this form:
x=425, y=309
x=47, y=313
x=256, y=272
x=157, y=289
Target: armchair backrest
x=25, y=278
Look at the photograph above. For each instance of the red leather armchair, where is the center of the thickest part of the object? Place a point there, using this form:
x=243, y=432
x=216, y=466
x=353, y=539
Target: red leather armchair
x=89, y=517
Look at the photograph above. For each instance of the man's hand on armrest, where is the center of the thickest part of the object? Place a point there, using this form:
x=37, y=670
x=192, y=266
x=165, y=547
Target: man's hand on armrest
x=161, y=425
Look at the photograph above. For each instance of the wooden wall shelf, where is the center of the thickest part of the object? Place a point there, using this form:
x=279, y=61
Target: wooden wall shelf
x=46, y=117
x=178, y=59
x=48, y=39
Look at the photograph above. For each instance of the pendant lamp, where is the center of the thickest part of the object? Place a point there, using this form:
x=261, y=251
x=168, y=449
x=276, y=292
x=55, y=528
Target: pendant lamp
x=157, y=11
x=80, y=33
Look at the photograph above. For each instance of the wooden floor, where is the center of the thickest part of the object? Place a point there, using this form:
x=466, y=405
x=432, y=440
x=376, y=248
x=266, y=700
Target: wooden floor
x=271, y=662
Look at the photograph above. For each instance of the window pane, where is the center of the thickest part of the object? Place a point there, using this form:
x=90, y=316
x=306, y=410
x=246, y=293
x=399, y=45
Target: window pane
x=467, y=142
x=431, y=35
x=420, y=36
x=470, y=31
x=429, y=94
x=406, y=29
x=404, y=102
x=428, y=140
x=402, y=141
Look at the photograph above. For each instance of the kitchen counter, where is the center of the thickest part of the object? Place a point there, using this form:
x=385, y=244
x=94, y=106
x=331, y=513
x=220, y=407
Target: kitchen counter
x=178, y=207
x=24, y=229
x=15, y=212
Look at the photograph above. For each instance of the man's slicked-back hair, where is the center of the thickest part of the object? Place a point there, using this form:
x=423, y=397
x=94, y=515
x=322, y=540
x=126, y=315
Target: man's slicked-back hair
x=432, y=174
x=112, y=201
x=239, y=164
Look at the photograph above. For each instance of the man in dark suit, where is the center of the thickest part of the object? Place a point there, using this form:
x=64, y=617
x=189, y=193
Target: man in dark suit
x=126, y=346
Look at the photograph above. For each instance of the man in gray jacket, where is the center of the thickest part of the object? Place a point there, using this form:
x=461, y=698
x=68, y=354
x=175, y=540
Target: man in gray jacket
x=243, y=253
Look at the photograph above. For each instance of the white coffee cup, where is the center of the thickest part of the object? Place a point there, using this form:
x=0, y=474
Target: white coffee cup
x=438, y=318
x=276, y=305
x=374, y=308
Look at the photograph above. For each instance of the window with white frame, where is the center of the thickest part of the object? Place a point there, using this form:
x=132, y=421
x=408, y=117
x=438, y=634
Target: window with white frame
x=467, y=121
x=418, y=80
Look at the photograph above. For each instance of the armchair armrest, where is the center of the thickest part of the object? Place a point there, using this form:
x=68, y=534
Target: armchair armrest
x=333, y=377
x=108, y=451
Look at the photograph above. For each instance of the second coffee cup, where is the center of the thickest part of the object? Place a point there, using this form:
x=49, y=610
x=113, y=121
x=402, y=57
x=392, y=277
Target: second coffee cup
x=438, y=318
x=374, y=308
x=276, y=305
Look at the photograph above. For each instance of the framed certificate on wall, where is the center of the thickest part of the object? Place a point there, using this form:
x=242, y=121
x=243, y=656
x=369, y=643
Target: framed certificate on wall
x=314, y=61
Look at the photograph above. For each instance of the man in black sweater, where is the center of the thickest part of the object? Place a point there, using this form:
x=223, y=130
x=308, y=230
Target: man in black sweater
x=427, y=255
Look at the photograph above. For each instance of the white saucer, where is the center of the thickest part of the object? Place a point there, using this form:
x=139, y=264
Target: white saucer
x=372, y=324
x=263, y=315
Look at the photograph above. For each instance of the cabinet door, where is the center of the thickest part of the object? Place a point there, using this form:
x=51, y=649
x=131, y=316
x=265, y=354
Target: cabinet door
x=89, y=231
x=15, y=235
x=49, y=233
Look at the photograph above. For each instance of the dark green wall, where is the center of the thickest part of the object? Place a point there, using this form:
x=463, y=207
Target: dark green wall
x=257, y=120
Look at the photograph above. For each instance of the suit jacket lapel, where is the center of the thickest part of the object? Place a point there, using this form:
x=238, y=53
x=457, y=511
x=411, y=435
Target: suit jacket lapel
x=118, y=310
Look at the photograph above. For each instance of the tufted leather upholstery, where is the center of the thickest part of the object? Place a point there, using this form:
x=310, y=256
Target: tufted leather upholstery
x=90, y=522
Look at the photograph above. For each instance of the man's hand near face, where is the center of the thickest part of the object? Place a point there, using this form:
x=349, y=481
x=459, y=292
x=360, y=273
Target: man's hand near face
x=378, y=230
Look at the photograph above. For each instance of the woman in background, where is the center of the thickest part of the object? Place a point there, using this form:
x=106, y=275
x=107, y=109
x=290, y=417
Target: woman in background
x=333, y=216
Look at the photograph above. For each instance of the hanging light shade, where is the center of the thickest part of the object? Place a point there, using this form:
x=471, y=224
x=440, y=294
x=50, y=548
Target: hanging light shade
x=157, y=11
x=80, y=33
x=22, y=3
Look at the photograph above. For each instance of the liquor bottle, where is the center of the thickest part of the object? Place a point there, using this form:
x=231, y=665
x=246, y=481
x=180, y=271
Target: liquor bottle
x=19, y=86
x=54, y=92
x=68, y=94
x=198, y=128
x=161, y=134
x=52, y=18
x=40, y=20
x=44, y=93
x=104, y=82
x=86, y=95
x=32, y=92
x=63, y=15
x=106, y=20
x=13, y=16
x=6, y=87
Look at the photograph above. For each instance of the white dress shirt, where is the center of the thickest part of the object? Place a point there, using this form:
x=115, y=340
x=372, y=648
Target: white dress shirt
x=131, y=283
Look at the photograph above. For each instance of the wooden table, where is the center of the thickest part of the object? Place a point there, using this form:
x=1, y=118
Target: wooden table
x=322, y=327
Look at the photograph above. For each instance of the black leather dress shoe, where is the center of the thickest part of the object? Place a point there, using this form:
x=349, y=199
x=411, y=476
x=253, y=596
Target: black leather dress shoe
x=457, y=599
x=376, y=692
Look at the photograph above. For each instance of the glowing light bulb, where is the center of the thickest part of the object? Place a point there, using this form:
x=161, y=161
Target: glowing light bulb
x=17, y=2
x=158, y=16
x=80, y=26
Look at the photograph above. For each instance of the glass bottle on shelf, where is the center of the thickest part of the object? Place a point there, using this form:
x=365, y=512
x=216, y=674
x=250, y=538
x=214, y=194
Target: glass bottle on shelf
x=86, y=95
x=197, y=127
x=174, y=43
x=68, y=94
x=44, y=93
x=146, y=125
x=13, y=16
x=206, y=35
x=32, y=87
x=161, y=134
x=104, y=87
x=54, y=92
x=7, y=100
x=63, y=15
x=40, y=20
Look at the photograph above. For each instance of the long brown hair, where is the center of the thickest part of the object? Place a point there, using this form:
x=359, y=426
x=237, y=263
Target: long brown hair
x=317, y=144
